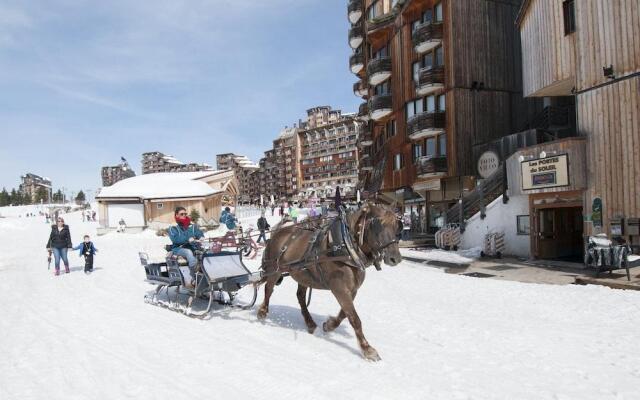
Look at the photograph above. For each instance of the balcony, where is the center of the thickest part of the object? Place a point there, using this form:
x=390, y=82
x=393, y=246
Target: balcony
x=356, y=62
x=355, y=36
x=354, y=11
x=382, y=21
x=426, y=124
x=431, y=166
x=360, y=89
x=366, y=164
x=379, y=70
x=430, y=81
x=366, y=139
x=363, y=111
x=380, y=106
x=427, y=36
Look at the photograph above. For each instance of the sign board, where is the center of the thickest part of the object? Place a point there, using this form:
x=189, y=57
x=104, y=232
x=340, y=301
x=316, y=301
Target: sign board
x=488, y=163
x=545, y=172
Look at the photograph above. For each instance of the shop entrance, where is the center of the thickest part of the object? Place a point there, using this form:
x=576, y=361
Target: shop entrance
x=557, y=232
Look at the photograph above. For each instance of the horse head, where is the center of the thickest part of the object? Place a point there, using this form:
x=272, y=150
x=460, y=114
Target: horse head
x=376, y=229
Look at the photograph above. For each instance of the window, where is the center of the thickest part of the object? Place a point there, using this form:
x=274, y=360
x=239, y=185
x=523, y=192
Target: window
x=443, y=145
x=383, y=88
x=427, y=16
x=438, y=12
x=417, y=151
x=439, y=59
x=159, y=206
x=431, y=103
x=398, y=162
x=391, y=128
x=522, y=225
x=442, y=102
x=569, y=14
x=431, y=147
x=411, y=110
x=427, y=60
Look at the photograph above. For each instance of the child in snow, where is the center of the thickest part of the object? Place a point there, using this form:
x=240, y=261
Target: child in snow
x=88, y=250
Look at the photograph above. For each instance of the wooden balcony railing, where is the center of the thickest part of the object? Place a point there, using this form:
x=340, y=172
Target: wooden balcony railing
x=380, y=102
x=425, y=122
x=430, y=76
x=356, y=61
x=427, y=32
x=379, y=65
x=431, y=165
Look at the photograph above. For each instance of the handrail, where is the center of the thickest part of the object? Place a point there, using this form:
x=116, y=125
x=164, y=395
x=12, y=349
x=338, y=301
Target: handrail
x=486, y=192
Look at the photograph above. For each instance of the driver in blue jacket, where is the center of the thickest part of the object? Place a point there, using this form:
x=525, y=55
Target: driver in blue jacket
x=183, y=236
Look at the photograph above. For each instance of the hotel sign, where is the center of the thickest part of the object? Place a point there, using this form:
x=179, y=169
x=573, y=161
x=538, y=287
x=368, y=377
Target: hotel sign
x=488, y=163
x=545, y=172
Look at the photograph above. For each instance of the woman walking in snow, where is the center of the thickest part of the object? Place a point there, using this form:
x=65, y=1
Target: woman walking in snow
x=58, y=243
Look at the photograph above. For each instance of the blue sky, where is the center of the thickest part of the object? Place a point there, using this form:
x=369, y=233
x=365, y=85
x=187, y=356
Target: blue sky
x=85, y=82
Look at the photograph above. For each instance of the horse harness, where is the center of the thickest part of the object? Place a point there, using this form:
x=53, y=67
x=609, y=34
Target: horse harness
x=341, y=245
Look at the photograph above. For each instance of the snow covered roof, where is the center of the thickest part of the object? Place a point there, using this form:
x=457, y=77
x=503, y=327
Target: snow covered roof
x=287, y=132
x=161, y=185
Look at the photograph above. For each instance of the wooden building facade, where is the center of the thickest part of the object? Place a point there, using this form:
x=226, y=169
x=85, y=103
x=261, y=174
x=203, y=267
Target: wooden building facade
x=589, y=50
x=438, y=77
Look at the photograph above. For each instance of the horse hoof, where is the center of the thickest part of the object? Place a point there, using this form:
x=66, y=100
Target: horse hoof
x=325, y=326
x=311, y=328
x=371, y=354
x=262, y=314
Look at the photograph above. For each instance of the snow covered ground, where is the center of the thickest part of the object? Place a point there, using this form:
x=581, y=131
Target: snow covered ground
x=440, y=336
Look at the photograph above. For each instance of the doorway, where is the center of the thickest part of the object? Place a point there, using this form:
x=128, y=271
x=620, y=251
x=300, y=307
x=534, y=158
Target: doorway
x=558, y=233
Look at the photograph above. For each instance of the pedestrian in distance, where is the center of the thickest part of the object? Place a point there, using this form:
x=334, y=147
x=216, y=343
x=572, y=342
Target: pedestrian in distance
x=293, y=213
x=122, y=226
x=59, y=242
x=88, y=250
x=228, y=219
x=93, y=216
x=273, y=209
x=263, y=226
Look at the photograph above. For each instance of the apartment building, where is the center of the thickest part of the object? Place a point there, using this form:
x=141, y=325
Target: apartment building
x=439, y=78
x=115, y=173
x=31, y=183
x=156, y=161
x=329, y=153
x=244, y=170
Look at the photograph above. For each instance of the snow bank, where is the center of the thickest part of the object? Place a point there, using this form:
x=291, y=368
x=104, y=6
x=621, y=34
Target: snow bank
x=454, y=257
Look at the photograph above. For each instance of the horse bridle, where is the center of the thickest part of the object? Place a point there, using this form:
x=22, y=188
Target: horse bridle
x=379, y=250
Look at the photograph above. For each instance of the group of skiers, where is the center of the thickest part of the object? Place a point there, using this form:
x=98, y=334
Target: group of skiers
x=60, y=242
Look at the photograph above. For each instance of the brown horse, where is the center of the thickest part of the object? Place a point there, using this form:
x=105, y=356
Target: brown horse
x=374, y=229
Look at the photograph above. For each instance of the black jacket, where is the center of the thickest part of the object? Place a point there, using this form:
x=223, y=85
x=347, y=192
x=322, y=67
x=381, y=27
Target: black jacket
x=59, y=239
x=263, y=225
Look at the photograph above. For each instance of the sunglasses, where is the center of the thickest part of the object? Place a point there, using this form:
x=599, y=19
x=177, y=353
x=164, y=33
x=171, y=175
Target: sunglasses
x=182, y=214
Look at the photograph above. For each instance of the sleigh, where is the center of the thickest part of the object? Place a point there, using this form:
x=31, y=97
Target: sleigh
x=220, y=277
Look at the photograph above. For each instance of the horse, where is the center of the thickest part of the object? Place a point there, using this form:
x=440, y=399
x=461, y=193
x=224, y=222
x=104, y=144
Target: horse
x=375, y=230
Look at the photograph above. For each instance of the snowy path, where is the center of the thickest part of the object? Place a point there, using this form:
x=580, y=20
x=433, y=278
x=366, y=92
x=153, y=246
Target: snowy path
x=440, y=336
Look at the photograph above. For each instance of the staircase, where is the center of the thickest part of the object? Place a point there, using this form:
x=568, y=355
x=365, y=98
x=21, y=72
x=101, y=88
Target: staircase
x=486, y=192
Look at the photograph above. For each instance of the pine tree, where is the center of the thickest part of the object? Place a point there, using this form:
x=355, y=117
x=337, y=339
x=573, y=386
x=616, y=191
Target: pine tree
x=58, y=196
x=14, y=198
x=194, y=215
x=4, y=198
x=41, y=195
x=80, y=198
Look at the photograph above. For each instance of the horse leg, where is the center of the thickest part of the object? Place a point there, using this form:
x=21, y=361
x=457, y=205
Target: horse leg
x=268, y=291
x=301, y=293
x=333, y=322
x=345, y=300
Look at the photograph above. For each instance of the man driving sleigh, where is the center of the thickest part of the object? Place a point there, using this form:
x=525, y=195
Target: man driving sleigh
x=183, y=237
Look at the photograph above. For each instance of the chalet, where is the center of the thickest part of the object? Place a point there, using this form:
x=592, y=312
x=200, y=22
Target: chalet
x=149, y=200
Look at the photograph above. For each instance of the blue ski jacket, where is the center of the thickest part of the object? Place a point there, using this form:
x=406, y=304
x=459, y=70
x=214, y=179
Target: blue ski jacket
x=180, y=236
x=92, y=249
